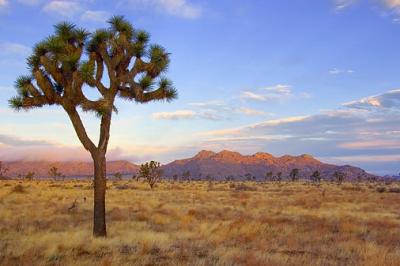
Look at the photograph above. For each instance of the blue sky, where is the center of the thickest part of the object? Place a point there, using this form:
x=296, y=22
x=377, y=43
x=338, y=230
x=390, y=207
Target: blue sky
x=285, y=77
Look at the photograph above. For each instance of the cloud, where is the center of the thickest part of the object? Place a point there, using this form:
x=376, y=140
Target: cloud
x=250, y=111
x=248, y=95
x=14, y=141
x=336, y=71
x=178, y=8
x=390, y=100
x=372, y=144
x=95, y=16
x=176, y=115
x=273, y=93
x=280, y=89
x=343, y=4
x=366, y=128
x=66, y=9
x=3, y=3
x=9, y=48
x=208, y=110
x=392, y=3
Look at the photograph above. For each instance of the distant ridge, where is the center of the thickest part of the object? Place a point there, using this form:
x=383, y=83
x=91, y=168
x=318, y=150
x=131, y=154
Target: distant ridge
x=205, y=163
x=69, y=169
x=228, y=163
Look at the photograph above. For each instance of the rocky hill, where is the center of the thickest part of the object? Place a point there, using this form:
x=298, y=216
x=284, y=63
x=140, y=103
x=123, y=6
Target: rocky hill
x=205, y=163
x=228, y=163
x=69, y=169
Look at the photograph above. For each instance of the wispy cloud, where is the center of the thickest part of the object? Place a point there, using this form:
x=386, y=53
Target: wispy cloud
x=343, y=4
x=273, y=93
x=250, y=111
x=178, y=8
x=9, y=48
x=175, y=115
x=392, y=3
x=208, y=110
x=14, y=141
x=336, y=71
x=390, y=99
x=95, y=15
x=249, y=95
x=369, y=127
x=3, y=3
x=66, y=9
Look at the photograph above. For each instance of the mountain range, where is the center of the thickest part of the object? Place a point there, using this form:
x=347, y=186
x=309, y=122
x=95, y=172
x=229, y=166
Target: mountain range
x=204, y=164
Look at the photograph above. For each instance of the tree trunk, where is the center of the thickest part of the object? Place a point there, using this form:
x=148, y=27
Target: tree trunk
x=99, y=213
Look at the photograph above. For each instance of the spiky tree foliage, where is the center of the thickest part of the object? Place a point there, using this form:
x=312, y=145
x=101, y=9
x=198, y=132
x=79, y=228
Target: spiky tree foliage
x=294, y=174
x=72, y=57
x=316, y=176
x=3, y=170
x=186, y=175
x=279, y=177
x=151, y=172
x=268, y=175
x=339, y=177
x=53, y=172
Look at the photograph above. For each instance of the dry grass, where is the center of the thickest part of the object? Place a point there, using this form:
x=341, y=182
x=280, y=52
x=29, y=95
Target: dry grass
x=199, y=224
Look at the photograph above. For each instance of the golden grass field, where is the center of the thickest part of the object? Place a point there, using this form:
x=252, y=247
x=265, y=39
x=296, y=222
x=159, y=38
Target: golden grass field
x=200, y=223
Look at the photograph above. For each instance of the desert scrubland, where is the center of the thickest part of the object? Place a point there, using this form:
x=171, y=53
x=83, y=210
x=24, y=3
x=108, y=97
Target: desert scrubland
x=201, y=223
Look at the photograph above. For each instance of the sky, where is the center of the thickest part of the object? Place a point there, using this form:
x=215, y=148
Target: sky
x=317, y=77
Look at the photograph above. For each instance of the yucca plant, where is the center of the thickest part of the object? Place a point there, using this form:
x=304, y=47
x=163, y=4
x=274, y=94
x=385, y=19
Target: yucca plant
x=70, y=58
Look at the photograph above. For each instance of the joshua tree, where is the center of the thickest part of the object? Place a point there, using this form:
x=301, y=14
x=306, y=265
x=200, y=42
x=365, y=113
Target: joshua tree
x=339, y=177
x=29, y=176
x=279, y=177
x=3, y=170
x=186, y=175
x=116, y=61
x=151, y=172
x=268, y=175
x=294, y=174
x=316, y=176
x=53, y=172
x=118, y=176
x=175, y=177
x=248, y=176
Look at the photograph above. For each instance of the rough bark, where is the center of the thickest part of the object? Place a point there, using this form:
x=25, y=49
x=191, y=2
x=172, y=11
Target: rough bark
x=99, y=208
x=99, y=161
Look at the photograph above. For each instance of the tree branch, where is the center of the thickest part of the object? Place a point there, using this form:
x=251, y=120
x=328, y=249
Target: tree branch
x=80, y=129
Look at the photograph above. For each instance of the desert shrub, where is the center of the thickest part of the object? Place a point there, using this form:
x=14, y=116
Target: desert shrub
x=380, y=189
x=18, y=189
x=394, y=190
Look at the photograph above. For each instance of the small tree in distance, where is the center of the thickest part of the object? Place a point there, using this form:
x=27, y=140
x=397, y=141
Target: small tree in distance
x=72, y=57
x=339, y=177
x=186, y=175
x=268, y=175
x=294, y=174
x=118, y=176
x=3, y=170
x=316, y=177
x=29, y=176
x=151, y=172
x=53, y=173
x=279, y=177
